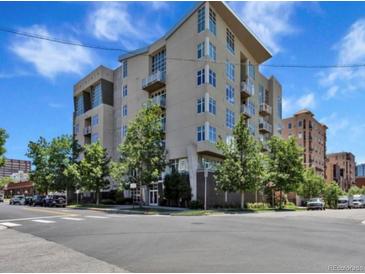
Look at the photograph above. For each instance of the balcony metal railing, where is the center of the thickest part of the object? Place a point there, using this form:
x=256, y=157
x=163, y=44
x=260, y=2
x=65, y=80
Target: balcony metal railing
x=248, y=87
x=154, y=81
x=265, y=109
x=87, y=130
x=265, y=126
x=249, y=112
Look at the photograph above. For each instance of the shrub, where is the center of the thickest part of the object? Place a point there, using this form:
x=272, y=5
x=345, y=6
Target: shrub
x=290, y=205
x=258, y=205
x=107, y=202
x=196, y=205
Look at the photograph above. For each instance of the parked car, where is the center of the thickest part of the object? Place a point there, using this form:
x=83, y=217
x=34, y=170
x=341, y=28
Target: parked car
x=55, y=200
x=1, y=196
x=343, y=202
x=358, y=201
x=28, y=200
x=17, y=200
x=37, y=200
x=315, y=203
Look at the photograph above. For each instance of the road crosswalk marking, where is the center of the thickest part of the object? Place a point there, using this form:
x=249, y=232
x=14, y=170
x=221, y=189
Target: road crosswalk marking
x=96, y=217
x=72, y=219
x=44, y=221
x=8, y=224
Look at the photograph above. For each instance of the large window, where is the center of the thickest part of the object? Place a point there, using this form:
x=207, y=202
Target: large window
x=124, y=131
x=125, y=90
x=212, y=22
x=201, y=19
x=200, y=50
x=124, y=110
x=94, y=137
x=230, y=94
x=230, y=41
x=95, y=120
x=125, y=68
x=200, y=105
x=212, y=78
x=251, y=71
x=212, y=52
x=200, y=133
x=230, y=119
x=159, y=61
x=261, y=94
x=251, y=108
x=79, y=105
x=212, y=106
x=212, y=134
x=96, y=96
x=230, y=71
x=252, y=128
x=200, y=77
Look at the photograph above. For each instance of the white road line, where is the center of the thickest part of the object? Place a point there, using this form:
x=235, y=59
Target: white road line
x=33, y=218
x=96, y=217
x=44, y=221
x=363, y=222
x=72, y=219
x=8, y=224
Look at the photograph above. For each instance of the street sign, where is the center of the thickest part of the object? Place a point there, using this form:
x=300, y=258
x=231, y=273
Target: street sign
x=133, y=185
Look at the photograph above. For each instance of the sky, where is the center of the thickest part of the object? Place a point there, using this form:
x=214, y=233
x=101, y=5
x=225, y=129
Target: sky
x=37, y=76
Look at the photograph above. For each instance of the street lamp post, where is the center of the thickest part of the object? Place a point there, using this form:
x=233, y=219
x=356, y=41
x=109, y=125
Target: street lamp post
x=205, y=185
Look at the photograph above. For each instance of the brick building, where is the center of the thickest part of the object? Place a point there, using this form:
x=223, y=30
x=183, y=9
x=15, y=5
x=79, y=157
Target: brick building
x=341, y=169
x=14, y=166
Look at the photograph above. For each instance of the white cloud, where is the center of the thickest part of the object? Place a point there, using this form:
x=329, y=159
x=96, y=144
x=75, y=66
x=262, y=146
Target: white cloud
x=270, y=21
x=114, y=22
x=307, y=101
x=55, y=105
x=291, y=105
x=159, y=5
x=350, y=51
x=335, y=123
x=48, y=58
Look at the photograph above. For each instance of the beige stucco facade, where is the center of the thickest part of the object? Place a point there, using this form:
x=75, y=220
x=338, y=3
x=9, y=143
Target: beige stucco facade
x=179, y=85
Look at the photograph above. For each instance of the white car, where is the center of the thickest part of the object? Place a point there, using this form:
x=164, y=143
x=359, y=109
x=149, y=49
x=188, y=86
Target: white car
x=343, y=202
x=17, y=200
x=358, y=201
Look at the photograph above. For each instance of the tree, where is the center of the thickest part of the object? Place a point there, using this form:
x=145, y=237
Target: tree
x=143, y=155
x=41, y=176
x=93, y=169
x=177, y=189
x=332, y=192
x=312, y=184
x=3, y=137
x=243, y=166
x=285, y=165
x=4, y=181
x=354, y=190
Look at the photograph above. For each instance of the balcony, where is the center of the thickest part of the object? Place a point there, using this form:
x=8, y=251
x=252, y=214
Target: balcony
x=264, y=126
x=265, y=109
x=246, y=111
x=247, y=88
x=87, y=130
x=160, y=100
x=154, y=81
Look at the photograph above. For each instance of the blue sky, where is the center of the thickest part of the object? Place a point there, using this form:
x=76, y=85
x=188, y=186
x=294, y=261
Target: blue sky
x=37, y=76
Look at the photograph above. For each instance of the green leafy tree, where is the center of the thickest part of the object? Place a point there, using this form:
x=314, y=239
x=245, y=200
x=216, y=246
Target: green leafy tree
x=285, y=165
x=177, y=190
x=143, y=155
x=363, y=190
x=312, y=184
x=93, y=170
x=354, y=190
x=243, y=167
x=4, y=181
x=41, y=176
x=3, y=137
x=332, y=192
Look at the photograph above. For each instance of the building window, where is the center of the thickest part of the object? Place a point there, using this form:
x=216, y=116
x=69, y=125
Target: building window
x=279, y=107
x=94, y=137
x=230, y=94
x=124, y=110
x=261, y=94
x=200, y=77
x=200, y=105
x=212, y=106
x=77, y=128
x=212, y=134
x=212, y=78
x=230, y=120
x=230, y=41
x=230, y=71
x=201, y=19
x=252, y=128
x=212, y=52
x=124, y=131
x=200, y=50
x=212, y=22
x=96, y=96
x=251, y=71
x=200, y=133
x=95, y=120
x=79, y=105
x=251, y=108
x=289, y=126
x=125, y=68
x=300, y=123
x=125, y=90
x=159, y=61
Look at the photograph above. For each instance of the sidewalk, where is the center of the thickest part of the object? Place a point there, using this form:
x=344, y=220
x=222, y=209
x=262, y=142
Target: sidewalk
x=20, y=252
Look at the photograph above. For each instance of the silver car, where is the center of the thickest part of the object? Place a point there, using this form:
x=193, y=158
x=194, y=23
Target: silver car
x=17, y=200
x=315, y=203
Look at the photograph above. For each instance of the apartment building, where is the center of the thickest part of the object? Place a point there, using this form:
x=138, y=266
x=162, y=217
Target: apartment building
x=311, y=135
x=12, y=166
x=341, y=168
x=360, y=170
x=204, y=73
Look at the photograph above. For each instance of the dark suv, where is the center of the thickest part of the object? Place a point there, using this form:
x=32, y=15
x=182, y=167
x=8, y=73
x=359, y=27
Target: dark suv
x=55, y=200
x=37, y=200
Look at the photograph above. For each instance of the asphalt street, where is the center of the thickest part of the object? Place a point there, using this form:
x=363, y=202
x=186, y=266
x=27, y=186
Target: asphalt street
x=256, y=242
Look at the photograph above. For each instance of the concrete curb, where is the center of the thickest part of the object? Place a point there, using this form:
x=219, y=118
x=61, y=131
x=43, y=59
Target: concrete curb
x=2, y=227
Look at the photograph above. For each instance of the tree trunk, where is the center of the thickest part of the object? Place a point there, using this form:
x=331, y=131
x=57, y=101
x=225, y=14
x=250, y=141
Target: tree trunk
x=242, y=200
x=97, y=196
x=281, y=199
x=256, y=197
